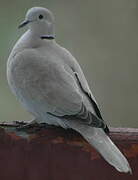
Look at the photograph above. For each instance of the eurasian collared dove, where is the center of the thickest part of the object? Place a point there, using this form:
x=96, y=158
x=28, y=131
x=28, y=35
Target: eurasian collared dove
x=50, y=84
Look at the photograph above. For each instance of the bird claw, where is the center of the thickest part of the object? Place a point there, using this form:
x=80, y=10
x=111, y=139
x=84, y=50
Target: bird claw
x=26, y=126
x=32, y=127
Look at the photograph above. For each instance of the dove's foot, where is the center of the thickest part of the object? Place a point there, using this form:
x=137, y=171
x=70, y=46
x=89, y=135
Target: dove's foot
x=32, y=126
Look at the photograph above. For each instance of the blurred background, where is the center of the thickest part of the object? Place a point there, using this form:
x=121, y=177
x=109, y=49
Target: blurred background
x=101, y=34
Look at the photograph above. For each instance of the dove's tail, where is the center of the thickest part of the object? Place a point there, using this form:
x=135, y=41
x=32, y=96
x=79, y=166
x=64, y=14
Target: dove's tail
x=103, y=144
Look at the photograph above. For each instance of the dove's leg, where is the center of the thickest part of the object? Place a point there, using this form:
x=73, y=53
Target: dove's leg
x=33, y=124
x=25, y=125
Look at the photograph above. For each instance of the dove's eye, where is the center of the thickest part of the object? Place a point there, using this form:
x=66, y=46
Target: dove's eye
x=41, y=16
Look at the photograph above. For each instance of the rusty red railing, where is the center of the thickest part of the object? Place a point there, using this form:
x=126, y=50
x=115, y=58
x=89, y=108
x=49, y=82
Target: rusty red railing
x=57, y=154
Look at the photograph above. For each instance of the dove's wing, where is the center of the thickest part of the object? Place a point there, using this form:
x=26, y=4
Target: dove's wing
x=68, y=101
x=88, y=98
x=85, y=88
x=83, y=83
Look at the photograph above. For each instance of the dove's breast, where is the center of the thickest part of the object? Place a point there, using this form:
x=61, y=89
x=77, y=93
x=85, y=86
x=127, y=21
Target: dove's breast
x=25, y=77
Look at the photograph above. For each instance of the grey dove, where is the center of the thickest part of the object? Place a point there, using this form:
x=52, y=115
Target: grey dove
x=50, y=84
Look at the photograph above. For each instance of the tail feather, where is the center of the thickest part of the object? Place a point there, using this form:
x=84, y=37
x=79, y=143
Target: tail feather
x=103, y=144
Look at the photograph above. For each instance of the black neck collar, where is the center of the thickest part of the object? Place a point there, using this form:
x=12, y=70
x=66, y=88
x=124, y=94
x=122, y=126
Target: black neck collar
x=50, y=37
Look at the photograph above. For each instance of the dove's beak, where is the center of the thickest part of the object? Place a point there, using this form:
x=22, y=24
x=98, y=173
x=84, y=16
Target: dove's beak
x=24, y=23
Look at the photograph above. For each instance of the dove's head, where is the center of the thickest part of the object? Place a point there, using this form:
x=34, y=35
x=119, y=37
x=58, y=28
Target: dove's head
x=40, y=21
